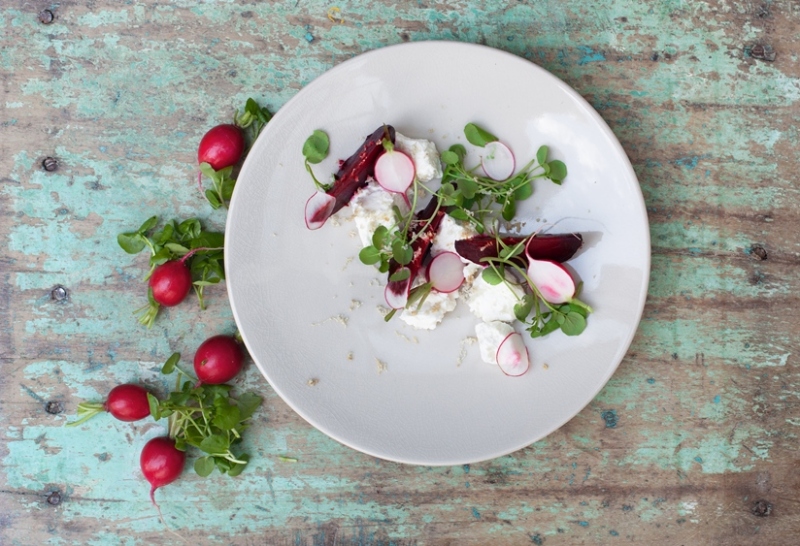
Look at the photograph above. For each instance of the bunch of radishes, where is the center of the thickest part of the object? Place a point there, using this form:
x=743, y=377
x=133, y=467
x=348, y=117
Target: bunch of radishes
x=184, y=256
x=218, y=360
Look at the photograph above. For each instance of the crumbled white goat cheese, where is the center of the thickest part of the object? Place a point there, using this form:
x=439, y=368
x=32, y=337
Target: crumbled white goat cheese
x=424, y=155
x=490, y=335
x=494, y=302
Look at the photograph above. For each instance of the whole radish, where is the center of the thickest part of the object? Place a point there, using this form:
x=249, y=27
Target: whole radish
x=126, y=402
x=161, y=463
x=221, y=147
x=171, y=282
x=218, y=360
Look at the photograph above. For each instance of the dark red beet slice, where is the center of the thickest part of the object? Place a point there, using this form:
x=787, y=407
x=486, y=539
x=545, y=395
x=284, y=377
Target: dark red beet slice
x=420, y=247
x=551, y=247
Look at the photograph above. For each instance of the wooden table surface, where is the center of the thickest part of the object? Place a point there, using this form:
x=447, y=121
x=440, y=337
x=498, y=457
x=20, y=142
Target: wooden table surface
x=693, y=441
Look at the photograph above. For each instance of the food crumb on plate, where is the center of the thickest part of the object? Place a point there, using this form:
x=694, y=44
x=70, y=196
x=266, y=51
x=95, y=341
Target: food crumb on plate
x=467, y=341
x=350, y=355
x=545, y=366
x=404, y=337
x=341, y=319
x=354, y=304
x=313, y=381
x=382, y=367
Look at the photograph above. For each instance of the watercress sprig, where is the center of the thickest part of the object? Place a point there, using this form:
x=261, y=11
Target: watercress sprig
x=315, y=149
x=206, y=417
x=176, y=240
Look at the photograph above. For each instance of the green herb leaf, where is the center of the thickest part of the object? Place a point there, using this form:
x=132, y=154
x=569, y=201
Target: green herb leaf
x=316, y=147
x=248, y=404
x=558, y=171
x=213, y=200
x=379, y=236
x=509, y=209
x=131, y=242
x=148, y=224
x=450, y=158
x=402, y=252
x=541, y=155
x=459, y=150
x=459, y=214
x=574, y=324
x=227, y=416
x=177, y=249
x=492, y=276
x=400, y=275
x=523, y=191
x=169, y=365
x=216, y=443
x=523, y=308
x=204, y=466
x=477, y=136
x=369, y=255
x=152, y=401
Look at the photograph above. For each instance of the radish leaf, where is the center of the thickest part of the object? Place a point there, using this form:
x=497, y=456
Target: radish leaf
x=477, y=136
x=316, y=147
x=204, y=466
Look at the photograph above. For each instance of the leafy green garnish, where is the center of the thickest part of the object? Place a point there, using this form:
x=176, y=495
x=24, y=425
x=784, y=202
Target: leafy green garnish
x=200, y=250
x=252, y=119
x=208, y=418
x=477, y=136
x=315, y=149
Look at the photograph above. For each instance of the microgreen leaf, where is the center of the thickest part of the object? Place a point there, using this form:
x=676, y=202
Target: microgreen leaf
x=492, y=276
x=541, y=155
x=558, y=171
x=148, y=224
x=131, y=242
x=523, y=191
x=402, y=252
x=459, y=150
x=509, y=209
x=216, y=443
x=369, y=255
x=227, y=415
x=574, y=323
x=379, y=236
x=450, y=158
x=152, y=401
x=477, y=136
x=169, y=365
x=523, y=308
x=315, y=148
x=204, y=466
x=400, y=275
x=248, y=404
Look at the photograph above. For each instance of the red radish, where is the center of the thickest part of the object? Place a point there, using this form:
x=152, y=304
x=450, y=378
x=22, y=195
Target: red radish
x=171, y=282
x=319, y=208
x=126, y=402
x=498, y=163
x=218, y=360
x=396, y=292
x=512, y=355
x=222, y=146
x=161, y=463
x=552, y=280
x=446, y=272
x=395, y=172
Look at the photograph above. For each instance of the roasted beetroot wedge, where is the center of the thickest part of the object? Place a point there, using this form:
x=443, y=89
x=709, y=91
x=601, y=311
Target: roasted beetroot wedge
x=396, y=292
x=352, y=176
x=554, y=248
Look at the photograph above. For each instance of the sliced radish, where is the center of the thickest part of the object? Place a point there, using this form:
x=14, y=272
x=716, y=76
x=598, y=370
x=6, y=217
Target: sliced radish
x=446, y=272
x=498, y=163
x=512, y=355
x=319, y=207
x=552, y=280
x=395, y=172
x=396, y=292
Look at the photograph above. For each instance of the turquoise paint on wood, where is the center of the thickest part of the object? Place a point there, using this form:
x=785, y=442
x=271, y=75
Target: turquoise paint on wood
x=705, y=403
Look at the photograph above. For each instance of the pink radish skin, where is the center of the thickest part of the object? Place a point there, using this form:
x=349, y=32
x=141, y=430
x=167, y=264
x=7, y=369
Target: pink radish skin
x=319, y=208
x=499, y=162
x=396, y=292
x=512, y=355
x=161, y=463
x=395, y=172
x=446, y=272
x=552, y=280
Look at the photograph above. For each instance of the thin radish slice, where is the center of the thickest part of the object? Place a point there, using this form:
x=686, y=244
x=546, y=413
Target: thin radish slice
x=498, y=163
x=395, y=172
x=512, y=355
x=396, y=292
x=552, y=280
x=319, y=207
x=446, y=272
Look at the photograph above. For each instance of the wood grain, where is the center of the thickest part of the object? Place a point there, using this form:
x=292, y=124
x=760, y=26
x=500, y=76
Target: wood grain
x=693, y=441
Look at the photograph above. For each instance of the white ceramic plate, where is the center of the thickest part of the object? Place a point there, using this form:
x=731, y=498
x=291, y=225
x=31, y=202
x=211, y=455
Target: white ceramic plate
x=308, y=309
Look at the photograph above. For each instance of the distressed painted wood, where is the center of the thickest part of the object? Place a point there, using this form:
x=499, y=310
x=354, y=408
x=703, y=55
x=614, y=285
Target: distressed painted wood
x=693, y=441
